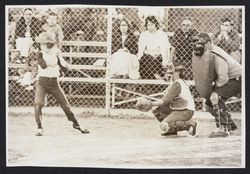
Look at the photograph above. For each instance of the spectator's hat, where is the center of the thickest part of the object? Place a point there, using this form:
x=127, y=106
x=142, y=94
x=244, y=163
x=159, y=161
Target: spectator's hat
x=46, y=37
x=201, y=38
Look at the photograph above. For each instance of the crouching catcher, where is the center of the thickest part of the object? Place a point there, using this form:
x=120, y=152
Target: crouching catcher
x=175, y=109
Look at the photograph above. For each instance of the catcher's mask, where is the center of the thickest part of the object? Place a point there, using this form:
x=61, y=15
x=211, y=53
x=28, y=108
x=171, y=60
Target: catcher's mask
x=199, y=42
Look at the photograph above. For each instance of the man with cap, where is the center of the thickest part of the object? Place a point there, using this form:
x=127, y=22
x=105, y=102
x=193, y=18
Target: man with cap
x=217, y=77
x=50, y=62
x=176, y=107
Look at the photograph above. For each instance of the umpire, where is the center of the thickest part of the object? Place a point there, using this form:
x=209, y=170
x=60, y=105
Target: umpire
x=217, y=77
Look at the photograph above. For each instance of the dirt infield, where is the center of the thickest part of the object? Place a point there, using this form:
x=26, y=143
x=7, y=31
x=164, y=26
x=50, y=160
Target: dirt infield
x=117, y=143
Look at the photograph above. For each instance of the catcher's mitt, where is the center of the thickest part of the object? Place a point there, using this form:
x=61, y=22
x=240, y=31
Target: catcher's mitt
x=143, y=104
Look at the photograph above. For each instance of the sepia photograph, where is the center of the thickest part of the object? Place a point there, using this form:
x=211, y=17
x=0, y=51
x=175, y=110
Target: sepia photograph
x=131, y=87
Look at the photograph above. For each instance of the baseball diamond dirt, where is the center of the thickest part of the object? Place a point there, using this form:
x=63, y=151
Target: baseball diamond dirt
x=118, y=142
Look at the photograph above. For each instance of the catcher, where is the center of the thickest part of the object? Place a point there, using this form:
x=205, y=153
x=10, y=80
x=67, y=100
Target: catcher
x=175, y=109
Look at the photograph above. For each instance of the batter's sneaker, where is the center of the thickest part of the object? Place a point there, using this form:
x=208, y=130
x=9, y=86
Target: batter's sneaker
x=84, y=131
x=39, y=132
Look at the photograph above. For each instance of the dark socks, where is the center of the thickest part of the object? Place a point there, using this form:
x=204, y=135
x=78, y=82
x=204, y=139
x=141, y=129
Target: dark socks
x=39, y=126
x=75, y=122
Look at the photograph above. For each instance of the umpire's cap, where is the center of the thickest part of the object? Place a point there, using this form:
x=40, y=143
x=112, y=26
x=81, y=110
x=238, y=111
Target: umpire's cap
x=46, y=37
x=201, y=38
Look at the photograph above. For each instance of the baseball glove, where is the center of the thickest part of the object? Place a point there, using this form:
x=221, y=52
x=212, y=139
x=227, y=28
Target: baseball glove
x=143, y=105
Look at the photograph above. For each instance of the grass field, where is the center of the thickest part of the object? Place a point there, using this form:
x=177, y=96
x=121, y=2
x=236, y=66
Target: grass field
x=118, y=143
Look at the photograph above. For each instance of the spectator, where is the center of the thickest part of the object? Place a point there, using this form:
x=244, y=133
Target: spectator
x=72, y=23
x=53, y=27
x=124, y=48
x=12, y=28
x=227, y=38
x=124, y=38
x=153, y=49
x=27, y=28
x=181, y=52
x=28, y=74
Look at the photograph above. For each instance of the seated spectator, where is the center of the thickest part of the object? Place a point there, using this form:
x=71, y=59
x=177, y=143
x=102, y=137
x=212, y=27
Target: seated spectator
x=123, y=63
x=153, y=49
x=27, y=28
x=27, y=76
x=73, y=22
x=227, y=38
x=181, y=52
x=12, y=27
x=53, y=27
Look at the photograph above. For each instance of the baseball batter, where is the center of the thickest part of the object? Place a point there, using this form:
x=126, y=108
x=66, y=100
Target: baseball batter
x=49, y=63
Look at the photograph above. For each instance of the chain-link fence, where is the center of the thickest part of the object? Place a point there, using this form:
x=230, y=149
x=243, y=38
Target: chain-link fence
x=101, y=44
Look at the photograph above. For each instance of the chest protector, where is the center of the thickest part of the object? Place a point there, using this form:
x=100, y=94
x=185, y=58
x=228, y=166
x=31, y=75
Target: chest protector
x=204, y=74
x=204, y=69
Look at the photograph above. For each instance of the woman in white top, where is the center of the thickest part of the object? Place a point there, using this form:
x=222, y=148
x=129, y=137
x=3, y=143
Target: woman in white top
x=153, y=50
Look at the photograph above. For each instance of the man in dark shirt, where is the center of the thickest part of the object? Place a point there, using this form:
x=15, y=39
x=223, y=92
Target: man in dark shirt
x=227, y=38
x=181, y=53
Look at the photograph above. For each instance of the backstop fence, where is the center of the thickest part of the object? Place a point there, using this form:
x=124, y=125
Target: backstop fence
x=92, y=35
